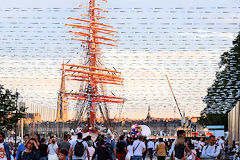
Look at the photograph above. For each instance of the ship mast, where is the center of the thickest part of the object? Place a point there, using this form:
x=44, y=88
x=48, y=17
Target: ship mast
x=93, y=74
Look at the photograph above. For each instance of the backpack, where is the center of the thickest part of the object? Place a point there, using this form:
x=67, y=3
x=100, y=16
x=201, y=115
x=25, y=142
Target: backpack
x=108, y=145
x=79, y=149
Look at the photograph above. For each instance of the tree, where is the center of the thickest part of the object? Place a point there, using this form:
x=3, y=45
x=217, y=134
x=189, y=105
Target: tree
x=10, y=110
x=224, y=93
x=214, y=119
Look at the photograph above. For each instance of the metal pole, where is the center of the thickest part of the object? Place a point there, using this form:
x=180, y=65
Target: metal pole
x=22, y=128
x=174, y=96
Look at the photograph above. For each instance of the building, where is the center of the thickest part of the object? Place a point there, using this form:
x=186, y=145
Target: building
x=148, y=118
x=234, y=125
x=32, y=117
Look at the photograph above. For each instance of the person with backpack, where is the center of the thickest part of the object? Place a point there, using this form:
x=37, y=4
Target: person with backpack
x=4, y=148
x=139, y=148
x=102, y=152
x=211, y=151
x=79, y=149
x=111, y=145
x=43, y=149
x=121, y=148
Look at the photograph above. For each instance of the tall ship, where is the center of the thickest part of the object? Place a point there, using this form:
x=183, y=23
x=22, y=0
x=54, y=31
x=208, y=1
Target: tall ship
x=91, y=76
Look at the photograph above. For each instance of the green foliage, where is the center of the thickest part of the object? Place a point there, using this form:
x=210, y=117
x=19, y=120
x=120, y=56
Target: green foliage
x=214, y=119
x=224, y=93
x=10, y=111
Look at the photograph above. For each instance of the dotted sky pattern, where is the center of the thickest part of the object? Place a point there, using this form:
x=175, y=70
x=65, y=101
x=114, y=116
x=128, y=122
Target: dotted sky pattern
x=183, y=42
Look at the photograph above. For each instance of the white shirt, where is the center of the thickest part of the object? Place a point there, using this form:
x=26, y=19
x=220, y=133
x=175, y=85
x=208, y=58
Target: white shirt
x=172, y=148
x=196, y=144
x=130, y=149
x=91, y=151
x=3, y=155
x=156, y=145
x=150, y=144
x=200, y=144
x=220, y=143
x=138, y=146
x=52, y=149
x=210, y=152
x=70, y=141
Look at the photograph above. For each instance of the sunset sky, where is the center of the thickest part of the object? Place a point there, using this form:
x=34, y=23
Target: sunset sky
x=156, y=38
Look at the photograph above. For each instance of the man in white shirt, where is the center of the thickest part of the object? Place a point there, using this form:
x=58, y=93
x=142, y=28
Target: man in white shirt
x=196, y=145
x=138, y=148
x=210, y=151
x=221, y=143
x=150, y=147
x=200, y=146
x=85, y=151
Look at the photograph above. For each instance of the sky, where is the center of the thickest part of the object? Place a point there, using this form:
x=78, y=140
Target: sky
x=181, y=39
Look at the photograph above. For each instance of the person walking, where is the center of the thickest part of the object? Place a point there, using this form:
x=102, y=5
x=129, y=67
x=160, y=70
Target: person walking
x=102, y=152
x=52, y=150
x=43, y=149
x=121, y=148
x=179, y=149
x=31, y=152
x=64, y=144
x=21, y=146
x=139, y=148
x=201, y=145
x=221, y=144
x=130, y=150
x=4, y=148
x=79, y=149
x=111, y=145
x=161, y=149
x=210, y=151
x=179, y=133
x=196, y=143
x=91, y=149
x=191, y=153
x=150, y=147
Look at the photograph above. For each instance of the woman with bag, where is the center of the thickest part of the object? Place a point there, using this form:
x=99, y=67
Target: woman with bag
x=52, y=150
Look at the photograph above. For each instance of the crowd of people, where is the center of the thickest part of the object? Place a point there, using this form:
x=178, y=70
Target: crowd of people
x=123, y=148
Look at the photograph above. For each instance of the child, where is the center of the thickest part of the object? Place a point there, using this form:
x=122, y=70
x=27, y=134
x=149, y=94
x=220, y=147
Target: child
x=191, y=153
x=63, y=153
